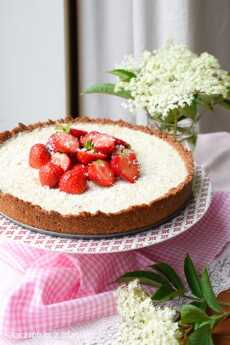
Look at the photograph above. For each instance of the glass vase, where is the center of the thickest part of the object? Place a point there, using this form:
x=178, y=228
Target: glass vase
x=185, y=130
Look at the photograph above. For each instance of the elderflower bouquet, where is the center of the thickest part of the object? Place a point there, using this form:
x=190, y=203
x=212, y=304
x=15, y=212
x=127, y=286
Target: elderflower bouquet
x=157, y=307
x=171, y=84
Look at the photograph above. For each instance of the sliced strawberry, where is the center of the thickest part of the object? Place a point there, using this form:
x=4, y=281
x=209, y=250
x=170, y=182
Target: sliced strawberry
x=86, y=157
x=76, y=132
x=83, y=168
x=73, y=181
x=119, y=141
x=39, y=156
x=50, y=174
x=62, y=160
x=88, y=138
x=125, y=165
x=63, y=142
x=101, y=142
x=100, y=172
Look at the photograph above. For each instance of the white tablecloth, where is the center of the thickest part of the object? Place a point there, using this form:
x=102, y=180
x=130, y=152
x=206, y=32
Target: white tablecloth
x=213, y=152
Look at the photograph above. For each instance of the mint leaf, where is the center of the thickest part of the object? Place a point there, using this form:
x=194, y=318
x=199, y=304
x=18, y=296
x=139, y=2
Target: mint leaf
x=208, y=293
x=169, y=273
x=192, y=277
x=192, y=314
x=123, y=74
x=109, y=89
x=145, y=277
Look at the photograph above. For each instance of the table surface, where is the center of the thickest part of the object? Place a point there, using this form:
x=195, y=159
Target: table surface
x=213, y=152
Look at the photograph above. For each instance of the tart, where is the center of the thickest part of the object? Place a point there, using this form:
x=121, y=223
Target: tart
x=160, y=186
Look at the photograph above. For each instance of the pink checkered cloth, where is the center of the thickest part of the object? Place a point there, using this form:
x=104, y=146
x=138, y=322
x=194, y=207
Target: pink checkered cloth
x=60, y=290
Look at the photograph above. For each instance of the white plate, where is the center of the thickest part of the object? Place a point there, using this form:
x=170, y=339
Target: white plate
x=177, y=225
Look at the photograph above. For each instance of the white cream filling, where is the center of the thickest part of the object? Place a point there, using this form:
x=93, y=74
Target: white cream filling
x=162, y=168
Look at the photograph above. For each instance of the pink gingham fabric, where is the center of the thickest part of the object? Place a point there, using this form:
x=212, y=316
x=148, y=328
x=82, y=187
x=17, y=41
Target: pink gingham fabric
x=59, y=290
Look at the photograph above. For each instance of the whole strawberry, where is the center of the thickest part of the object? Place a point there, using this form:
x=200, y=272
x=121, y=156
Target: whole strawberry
x=73, y=181
x=38, y=156
x=50, y=175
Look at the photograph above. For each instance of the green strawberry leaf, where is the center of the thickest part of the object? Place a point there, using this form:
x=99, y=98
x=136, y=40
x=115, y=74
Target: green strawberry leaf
x=208, y=293
x=65, y=127
x=123, y=74
x=168, y=272
x=109, y=89
x=200, y=304
x=192, y=277
x=145, y=277
x=192, y=314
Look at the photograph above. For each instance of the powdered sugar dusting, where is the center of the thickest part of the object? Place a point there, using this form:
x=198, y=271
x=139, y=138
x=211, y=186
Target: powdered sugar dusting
x=161, y=169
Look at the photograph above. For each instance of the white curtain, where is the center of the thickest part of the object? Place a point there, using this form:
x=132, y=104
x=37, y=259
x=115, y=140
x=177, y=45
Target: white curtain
x=109, y=29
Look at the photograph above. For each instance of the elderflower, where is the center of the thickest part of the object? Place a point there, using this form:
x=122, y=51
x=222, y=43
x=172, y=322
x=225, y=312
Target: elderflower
x=142, y=323
x=170, y=78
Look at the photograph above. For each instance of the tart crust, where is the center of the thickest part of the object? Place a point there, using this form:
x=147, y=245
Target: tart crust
x=100, y=223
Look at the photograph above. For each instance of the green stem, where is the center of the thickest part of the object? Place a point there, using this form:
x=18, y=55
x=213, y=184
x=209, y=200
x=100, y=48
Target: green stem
x=194, y=299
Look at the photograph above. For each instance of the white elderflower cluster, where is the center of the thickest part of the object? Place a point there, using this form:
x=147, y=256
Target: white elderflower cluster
x=170, y=78
x=142, y=323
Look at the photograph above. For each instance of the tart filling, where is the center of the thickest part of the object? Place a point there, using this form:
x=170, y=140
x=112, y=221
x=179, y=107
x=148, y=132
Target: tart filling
x=162, y=169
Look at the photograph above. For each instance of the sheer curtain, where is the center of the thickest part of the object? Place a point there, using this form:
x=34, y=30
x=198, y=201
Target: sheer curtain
x=109, y=29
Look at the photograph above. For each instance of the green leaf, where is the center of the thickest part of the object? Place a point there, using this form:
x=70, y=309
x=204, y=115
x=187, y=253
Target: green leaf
x=165, y=293
x=169, y=273
x=108, y=89
x=123, y=74
x=65, y=127
x=145, y=277
x=192, y=314
x=200, y=304
x=192, y=277
x=208, y=293
x=202, y=336
x=191, y=110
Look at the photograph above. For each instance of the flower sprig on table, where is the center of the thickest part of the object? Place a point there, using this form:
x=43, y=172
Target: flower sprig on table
x=170, y=84
x=192, y=325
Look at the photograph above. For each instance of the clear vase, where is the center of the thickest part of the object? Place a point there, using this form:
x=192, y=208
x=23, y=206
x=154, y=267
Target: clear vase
x=185, y=130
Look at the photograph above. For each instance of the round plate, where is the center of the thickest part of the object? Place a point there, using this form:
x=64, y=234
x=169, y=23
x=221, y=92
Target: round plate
x=193, y=212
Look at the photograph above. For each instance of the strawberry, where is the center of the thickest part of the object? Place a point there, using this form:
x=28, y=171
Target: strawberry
x=100, y=172
x=63, y=142
x=50, y=174
x=119, y=141
x=86, y=157
x=73, y=181
x=83, y=168
x=124, y=164
x=62, y=160
x=38, y=156
x=101, y=142
x=77, y=132
x=88, y=138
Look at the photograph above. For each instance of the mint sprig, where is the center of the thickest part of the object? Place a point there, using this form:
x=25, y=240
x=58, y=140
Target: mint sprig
x=194, y=315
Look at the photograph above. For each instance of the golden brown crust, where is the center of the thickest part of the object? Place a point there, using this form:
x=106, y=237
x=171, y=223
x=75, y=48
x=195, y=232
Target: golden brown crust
x=100, y=223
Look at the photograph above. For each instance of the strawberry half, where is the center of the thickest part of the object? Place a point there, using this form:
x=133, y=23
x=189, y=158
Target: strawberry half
x=101, y=142
x=125, y=165
x=38, y=156
x=100, y=172
x=50, y=174
x=73, y=181
x=63, y=142
x=83, y=168
x=86, y=157
x=62, y=160
x=76, y=132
